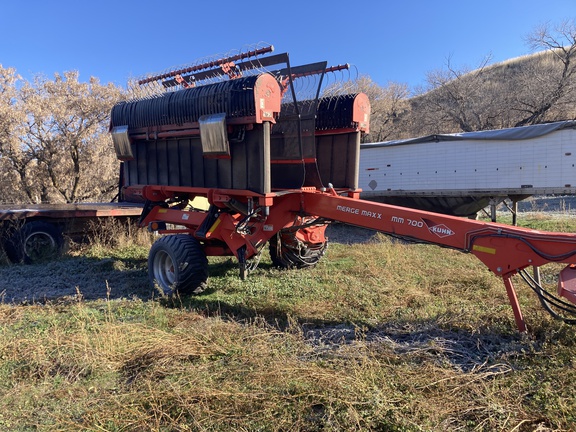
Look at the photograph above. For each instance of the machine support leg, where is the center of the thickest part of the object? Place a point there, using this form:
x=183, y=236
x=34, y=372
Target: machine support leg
x=355, y=164
x=536, y=273
x=242, y=264
x=266, y=159
x=493, y=204
x=514, y=303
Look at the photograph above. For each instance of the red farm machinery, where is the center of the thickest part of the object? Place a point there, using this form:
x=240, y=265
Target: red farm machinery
x=274, y=150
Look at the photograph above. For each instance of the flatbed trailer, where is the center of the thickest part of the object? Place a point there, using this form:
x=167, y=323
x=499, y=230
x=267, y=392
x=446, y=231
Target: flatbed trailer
x=34, y=233
x=276, y=170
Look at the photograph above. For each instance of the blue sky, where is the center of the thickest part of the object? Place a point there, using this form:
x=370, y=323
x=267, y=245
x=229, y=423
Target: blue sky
x=390, y=41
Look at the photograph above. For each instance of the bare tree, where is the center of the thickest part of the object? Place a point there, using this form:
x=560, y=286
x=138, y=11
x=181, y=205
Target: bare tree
x=549, y=80
x=388, y=104
x=457, y=100
x=13, y=162
x=8, y=80
x=528, y=90
x=57, y=148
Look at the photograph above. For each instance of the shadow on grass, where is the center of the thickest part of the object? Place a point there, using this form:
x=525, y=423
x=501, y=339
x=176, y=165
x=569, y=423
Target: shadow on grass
x=93, y=278
x=79, y=277
x=113, y=277
x=443, y=340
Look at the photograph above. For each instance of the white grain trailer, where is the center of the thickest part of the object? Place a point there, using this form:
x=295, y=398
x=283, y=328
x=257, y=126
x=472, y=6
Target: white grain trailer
x=460, y=174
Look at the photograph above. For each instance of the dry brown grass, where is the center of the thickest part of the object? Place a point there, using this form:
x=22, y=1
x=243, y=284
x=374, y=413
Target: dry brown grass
x=379, y=336
x=91, y=368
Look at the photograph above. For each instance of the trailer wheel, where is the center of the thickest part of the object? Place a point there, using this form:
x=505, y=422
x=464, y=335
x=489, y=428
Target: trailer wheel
x=35, y=242
x=177, y=263
x=287, y=252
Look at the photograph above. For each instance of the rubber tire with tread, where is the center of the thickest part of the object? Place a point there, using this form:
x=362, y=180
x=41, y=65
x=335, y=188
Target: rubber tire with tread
x=177, y=263
x=36, y=241
x=311, y=257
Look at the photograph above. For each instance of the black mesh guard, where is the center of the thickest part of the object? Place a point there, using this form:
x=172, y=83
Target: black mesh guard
x=335, y=112
x=233, y=97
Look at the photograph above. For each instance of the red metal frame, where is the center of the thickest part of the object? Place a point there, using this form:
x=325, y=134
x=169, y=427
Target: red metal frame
x=241, y=222
x=567, y=283
x=224, y=63
x=504, y=249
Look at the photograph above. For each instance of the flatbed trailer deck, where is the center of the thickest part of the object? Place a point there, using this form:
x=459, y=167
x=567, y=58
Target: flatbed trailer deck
x=66, y=211
x=36, y=232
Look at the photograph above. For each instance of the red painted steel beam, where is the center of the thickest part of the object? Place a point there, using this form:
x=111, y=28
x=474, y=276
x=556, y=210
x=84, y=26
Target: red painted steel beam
x=207, y=65
x=504, y=249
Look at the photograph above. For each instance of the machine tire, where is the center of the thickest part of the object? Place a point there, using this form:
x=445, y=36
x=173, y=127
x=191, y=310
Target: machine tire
x=35, y=242
x=286, y=252
x=177, y=263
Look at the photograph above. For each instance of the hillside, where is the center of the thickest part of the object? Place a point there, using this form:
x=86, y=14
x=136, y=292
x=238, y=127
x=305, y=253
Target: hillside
x=532, y=89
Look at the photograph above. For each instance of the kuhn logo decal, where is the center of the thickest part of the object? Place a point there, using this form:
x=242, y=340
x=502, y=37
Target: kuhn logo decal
x=440, y=230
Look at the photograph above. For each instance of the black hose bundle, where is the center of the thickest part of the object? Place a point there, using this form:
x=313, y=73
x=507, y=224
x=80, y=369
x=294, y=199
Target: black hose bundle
x=549, y=300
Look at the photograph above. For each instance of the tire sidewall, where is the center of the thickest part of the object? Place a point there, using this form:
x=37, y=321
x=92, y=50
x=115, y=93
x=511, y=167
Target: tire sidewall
x=160, y=246
x=189, y=262
x=15, y=245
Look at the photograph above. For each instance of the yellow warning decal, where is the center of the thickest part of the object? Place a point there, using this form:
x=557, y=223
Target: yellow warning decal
x=162, y=210
x=211, y=230
x=484, y=249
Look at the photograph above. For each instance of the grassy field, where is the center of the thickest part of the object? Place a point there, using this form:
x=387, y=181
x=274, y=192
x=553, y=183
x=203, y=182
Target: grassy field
x=379, y=336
